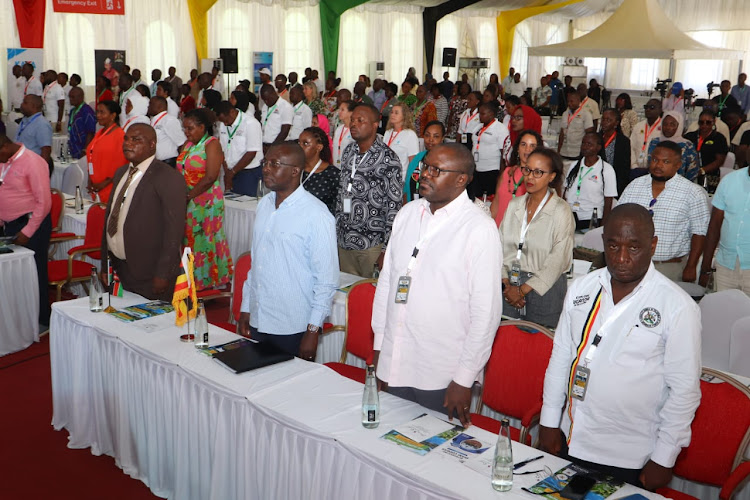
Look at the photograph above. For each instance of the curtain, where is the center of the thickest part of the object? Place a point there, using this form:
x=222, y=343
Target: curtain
x=290, y=30
x=30, y=19
x=530, y=33
x=8, y=39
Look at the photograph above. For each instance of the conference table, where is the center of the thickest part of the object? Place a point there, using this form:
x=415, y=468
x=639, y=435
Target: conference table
x=239, y=219
x=19, y=300
x=190, y=429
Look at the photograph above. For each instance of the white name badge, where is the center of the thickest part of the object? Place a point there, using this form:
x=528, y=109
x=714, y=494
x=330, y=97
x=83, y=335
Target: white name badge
x=402, y=291
x=581, y=382
x=347, y=205
x=91, y=168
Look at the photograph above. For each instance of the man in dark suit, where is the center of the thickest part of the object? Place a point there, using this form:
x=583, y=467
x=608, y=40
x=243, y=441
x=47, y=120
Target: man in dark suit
x=145, y=220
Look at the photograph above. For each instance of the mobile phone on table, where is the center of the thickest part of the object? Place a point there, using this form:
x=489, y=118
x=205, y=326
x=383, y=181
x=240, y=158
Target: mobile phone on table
x=577, y=488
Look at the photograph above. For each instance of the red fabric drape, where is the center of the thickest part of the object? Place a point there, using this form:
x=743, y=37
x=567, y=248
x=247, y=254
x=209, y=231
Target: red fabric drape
x=30, y=22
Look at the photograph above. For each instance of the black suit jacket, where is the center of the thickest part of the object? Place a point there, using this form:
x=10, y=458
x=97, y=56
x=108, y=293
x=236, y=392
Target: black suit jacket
x=155, y=225
x=621, y=164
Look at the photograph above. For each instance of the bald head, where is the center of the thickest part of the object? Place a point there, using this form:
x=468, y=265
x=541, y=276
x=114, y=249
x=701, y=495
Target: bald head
x=139, y=143
x=629, y=244
x=459, y=155
x=292, y=153
x=31, y=105
x=76, y=96
x=635, y=214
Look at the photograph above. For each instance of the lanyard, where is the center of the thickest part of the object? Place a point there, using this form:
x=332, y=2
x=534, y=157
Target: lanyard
x=97, y=137
x=164, y=113
x=283, y=92
x=26, y=124
x=615, y=314
x=581, y=175
x=72, y=117
x=722, y=102
x=231, y=133
x=479, y=134
x=525, y=224
x=609, y=141
x=124, y=96
x=355, y=165
x=344, y=131
x=312, y=172
x=98, y=98
x=44, y=96
x=571, y=117
x=434, y=227
x=125, y=127
x=470, y=117
x=393, y=137
x=700, y=142
x=26, y=88
x=515, y=184
x=649, y=131
x=10, y=162
x=298, y=106
x=269, y=113
x=384, y=105
x=196, y=147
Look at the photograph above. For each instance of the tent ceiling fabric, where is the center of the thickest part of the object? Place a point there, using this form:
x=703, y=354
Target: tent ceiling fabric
x=586, y=8
x=639, y=29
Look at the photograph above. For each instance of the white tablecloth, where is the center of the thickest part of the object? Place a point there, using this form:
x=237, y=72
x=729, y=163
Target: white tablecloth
x=239, y=219
x=56, y=180
x=58, y=141
x=19, y=300
x=330, y=344
x=189, y=429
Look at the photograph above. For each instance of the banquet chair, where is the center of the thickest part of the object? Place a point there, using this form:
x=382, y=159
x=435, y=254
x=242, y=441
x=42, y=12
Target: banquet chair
x=56, y=214
x=359, y=336
x=739, y=347
x=719, y=311
x=241, y=268
x=593, y=239
x=74, y=270
x=514, y=377
x=72, y=177
x=728, y=166
x=720, y=435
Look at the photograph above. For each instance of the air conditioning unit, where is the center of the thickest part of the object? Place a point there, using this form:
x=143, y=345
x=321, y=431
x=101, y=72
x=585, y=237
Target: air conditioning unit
x=574, y=61
x=473, y=63
x=376, y=69
x=579, y=61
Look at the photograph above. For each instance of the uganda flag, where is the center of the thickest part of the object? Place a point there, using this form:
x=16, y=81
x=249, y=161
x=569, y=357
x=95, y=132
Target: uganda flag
x=185, y=289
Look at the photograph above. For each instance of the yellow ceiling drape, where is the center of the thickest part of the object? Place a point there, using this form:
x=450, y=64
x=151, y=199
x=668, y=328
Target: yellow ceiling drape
x=199, y=19
x=506, y=23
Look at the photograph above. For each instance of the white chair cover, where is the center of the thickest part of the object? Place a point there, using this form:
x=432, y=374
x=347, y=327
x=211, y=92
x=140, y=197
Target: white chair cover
x=593, y=239
x=719, y=312
x=739, y=347
x=72, y=177
x=728, y=166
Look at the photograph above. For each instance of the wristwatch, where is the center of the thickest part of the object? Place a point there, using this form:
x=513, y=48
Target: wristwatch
x=313, y=328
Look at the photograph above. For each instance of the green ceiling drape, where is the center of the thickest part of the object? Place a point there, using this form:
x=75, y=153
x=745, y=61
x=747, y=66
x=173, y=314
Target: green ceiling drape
x=330, y=22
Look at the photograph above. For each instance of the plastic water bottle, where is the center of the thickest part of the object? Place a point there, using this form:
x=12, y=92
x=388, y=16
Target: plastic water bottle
x=502, y=468
x=79, y=200
x=96, y=292
x=370, y=401
x=201, y=327
x=594, y=222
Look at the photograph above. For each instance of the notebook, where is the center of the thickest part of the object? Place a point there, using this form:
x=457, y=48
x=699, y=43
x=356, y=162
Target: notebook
x=250, y=356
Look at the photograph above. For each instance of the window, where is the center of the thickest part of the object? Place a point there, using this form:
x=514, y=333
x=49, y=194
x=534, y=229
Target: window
x=297, y=39
x=75, y=53
x=233, y=33
x=402, y=50
x=352, y=46
x=487, y=46
x=447, y=36
x=162, y=51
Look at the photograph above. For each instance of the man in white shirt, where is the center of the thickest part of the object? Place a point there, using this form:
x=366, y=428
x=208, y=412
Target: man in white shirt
x=155, y=79
x=137, y=78
x=576, y=121
x=488, y=142
x=516, y=87
x=435, y=361
x=680, y=212
x=642, y=134
x=54, y=101
x=217, y=81
x=626, y=362
x=62, y=80
x=508, y=80
x=169, y=134
x=589, y=104
x=320, y=84
x=164, y=89
x=542, y=95
x=33, y=85
x=276, y=115
x=16, y=89
x=242, y=142
x=302, y=113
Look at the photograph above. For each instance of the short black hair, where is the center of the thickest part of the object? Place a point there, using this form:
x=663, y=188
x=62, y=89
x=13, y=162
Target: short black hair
x=392, y=87
x=112, y=107
x=438, y=123
x=203, y=117
x=223, y=108
x=165, y=86
x=513, y=99
x=491, y=105
x=243, y=100
x=374, y=113
x=670, y=145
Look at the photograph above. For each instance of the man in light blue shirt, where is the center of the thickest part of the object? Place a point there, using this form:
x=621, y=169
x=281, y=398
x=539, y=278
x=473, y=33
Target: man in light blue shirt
x=729, y=228
x=742, y=94
x=295, y=271
x=34, y=131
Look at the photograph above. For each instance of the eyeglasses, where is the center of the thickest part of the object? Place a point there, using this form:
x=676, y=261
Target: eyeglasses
x=434, y=171
x=705, y=122
x=651, y=207
x=650, y=106
x=517, y=117
x=536, y=173
x=275, y=164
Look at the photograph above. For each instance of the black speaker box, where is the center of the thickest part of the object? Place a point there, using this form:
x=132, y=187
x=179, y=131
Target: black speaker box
x=229, y=58
x=449, y=57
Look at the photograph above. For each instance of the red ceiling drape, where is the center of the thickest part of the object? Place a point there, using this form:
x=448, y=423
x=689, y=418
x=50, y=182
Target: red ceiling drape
x=30, y=22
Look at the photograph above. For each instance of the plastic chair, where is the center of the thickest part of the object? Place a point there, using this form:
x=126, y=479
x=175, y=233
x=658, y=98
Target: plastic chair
x=593, y=239
x=241, y=268
x=72, y=177
x=719, y=312
x=359, y=335
x=56, y=214
x=72, y=270
x=514, y=377
x=720, y=435
x=739, y=347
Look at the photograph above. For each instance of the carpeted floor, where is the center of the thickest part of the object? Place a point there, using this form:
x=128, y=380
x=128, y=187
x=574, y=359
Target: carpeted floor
x=34, y=458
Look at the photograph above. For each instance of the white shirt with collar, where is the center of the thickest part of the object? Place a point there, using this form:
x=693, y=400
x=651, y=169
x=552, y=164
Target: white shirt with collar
x=404, y=143
x=67, y=88
x=469, y=121
x=16, y=92
x=301, y=120
x=173, y=108
x=281, y=113
x=516, y=88
x=592, y=107
x=51, y=95
x=116, y=243
x=246, y=137
x=444, y=332
x=644, y=385
x=680, y=211
x=33, y=86
x=217, y=84
x=488, y=144
x=169, y=135
x=596, y=183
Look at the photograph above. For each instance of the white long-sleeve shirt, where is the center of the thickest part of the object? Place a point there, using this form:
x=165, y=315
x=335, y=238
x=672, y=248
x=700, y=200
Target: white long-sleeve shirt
x=445, y=329
x=643, y=388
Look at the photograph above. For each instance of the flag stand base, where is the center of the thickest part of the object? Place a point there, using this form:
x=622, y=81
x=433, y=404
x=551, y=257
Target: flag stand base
x=188, y=337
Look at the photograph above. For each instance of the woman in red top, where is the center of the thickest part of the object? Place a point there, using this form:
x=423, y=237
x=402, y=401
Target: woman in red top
x=510, y=184
x=103, y=90
x=187, y=103
x=104, y=152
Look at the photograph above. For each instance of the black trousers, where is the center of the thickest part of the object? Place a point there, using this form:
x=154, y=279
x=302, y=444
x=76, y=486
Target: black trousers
x=288, y=343
x=629, y=476
x=483, y=183
x=172, y=162
x=39, y=243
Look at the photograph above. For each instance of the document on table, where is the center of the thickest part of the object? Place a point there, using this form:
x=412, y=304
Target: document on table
x=423, y=434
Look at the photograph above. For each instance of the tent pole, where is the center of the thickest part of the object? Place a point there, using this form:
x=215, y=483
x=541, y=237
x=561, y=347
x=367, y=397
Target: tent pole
x=672, y=68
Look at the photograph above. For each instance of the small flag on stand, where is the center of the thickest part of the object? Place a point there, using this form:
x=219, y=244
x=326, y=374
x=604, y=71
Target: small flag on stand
x=184, y=289
x=110, y=277
x=116, y=285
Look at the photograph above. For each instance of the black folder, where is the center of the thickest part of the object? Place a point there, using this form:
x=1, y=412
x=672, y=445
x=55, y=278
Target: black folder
x=250, y=356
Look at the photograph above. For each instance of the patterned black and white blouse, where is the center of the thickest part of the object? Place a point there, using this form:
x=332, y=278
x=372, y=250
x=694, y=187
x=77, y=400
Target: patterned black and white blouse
x=324, y=185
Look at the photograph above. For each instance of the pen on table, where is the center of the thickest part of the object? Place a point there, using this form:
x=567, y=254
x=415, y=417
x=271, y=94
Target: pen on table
x=526, y=462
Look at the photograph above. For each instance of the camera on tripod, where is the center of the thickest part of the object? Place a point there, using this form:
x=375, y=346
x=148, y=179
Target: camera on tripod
x=662, y=86
x=710, y=87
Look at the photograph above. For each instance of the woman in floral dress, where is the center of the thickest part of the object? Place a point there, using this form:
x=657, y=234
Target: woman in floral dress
x=200, y=163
